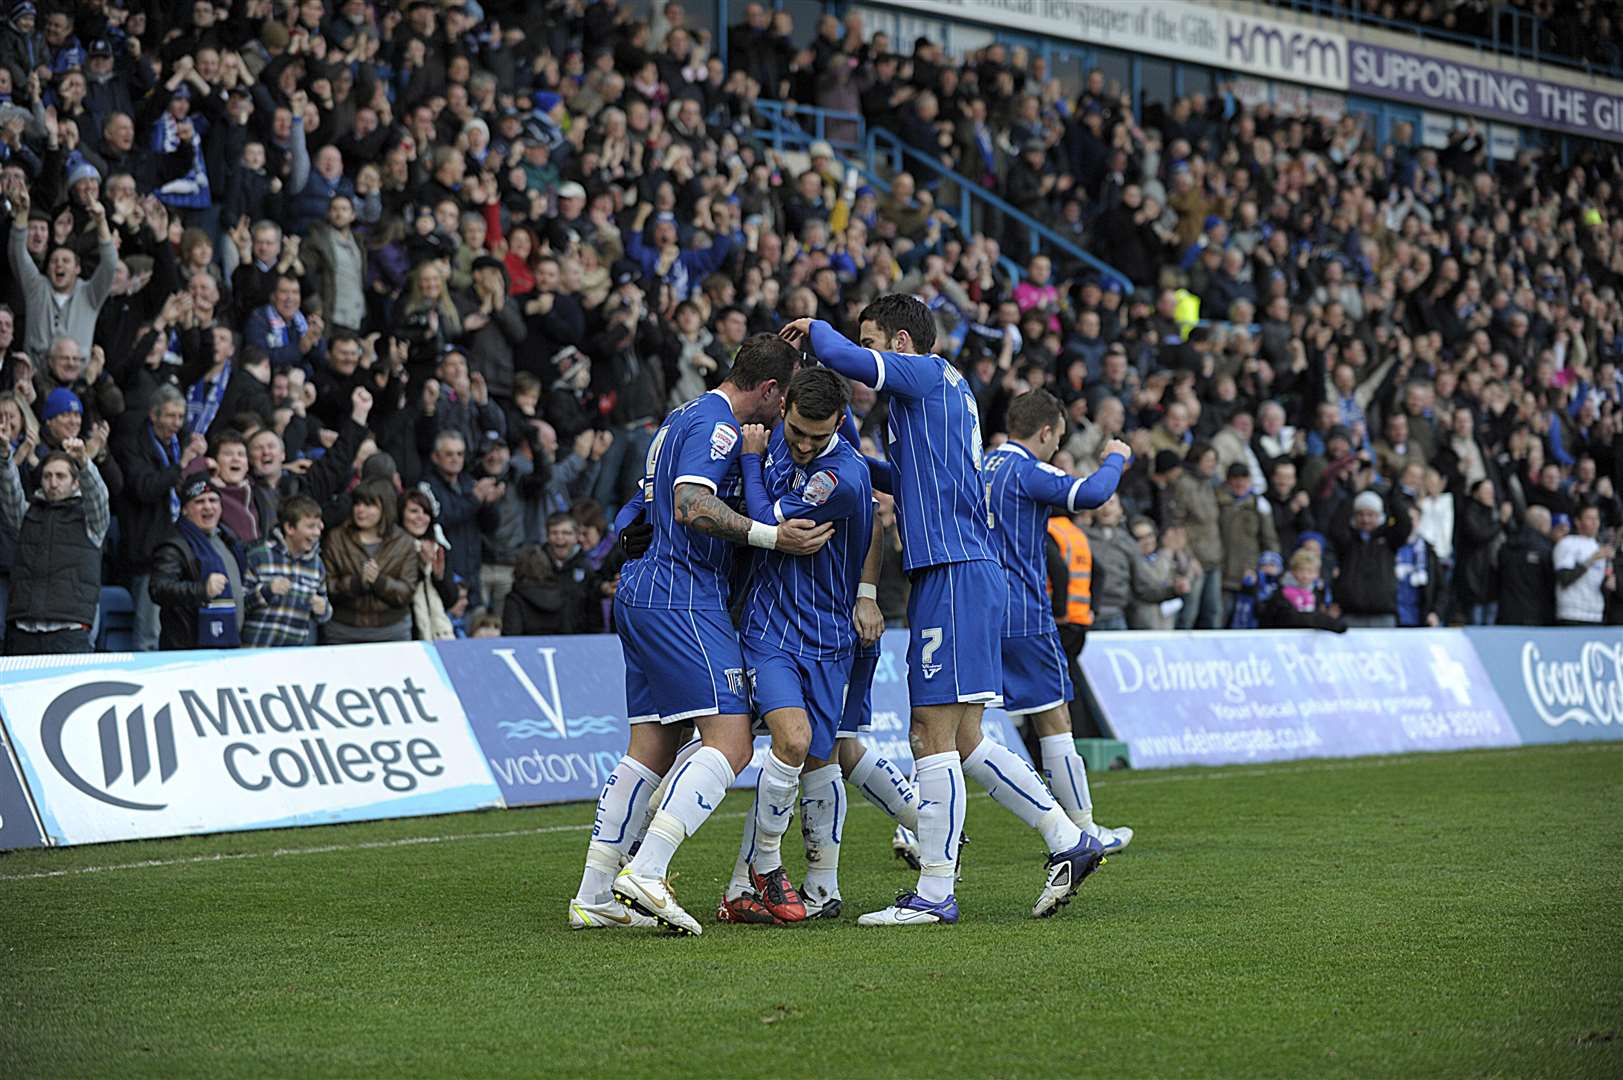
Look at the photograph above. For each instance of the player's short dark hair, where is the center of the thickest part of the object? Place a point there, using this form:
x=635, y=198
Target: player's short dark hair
x=763, y=357
x=818, y=393
x=297, y=509
x=895, y=312
x=1031, y=411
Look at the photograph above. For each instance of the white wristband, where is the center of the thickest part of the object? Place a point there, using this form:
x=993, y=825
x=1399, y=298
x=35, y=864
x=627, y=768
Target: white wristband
x=867, y=592
x=763, y=536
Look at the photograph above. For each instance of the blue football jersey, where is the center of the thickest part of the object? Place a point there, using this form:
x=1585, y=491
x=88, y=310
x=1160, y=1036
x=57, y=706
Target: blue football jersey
x=684, y=568
x=934, y=441
x=1022, y=491
x=802, y=604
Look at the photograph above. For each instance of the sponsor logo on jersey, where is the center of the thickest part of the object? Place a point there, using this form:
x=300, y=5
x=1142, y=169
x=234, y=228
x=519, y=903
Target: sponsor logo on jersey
x=723, y=437
x=820, y=487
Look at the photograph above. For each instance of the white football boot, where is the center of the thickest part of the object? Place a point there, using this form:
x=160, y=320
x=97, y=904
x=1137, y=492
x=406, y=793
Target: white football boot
x=653, y=897
x=609, y=915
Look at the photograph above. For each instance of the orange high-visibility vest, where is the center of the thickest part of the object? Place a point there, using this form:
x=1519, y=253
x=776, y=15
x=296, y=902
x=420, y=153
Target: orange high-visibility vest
x=1073, y=544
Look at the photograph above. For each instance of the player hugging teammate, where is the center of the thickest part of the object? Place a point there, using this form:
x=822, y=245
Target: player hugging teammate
x=768, y=442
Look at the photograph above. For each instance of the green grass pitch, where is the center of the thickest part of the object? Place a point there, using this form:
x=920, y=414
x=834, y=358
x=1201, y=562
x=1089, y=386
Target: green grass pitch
x=1428, y=916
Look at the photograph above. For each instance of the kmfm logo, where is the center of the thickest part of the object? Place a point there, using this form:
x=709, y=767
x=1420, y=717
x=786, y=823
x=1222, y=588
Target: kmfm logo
x=133, y=740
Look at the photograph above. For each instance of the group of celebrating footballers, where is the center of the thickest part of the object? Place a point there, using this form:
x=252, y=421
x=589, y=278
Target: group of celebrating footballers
x=777, y=440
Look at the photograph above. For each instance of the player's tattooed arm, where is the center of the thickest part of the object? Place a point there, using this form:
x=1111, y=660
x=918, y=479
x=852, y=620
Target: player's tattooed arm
x=698, y=507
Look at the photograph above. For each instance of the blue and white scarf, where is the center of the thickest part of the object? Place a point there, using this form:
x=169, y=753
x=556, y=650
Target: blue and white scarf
x=170, y=454
x=203, y=400
x=192, y=190
x=284, y=332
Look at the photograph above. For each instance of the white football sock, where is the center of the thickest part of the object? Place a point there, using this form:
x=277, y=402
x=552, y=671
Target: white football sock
x=740, y=881
x=883, y=784
x=621, y=808
x=683, y=755
x=775, y=792
x=1067, y=777
x=822, y=821
x=696, y=790
x=1015, y=786
x=941, y=822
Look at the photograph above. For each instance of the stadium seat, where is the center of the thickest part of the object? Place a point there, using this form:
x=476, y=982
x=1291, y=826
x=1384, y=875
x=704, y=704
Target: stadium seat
x=115, y=620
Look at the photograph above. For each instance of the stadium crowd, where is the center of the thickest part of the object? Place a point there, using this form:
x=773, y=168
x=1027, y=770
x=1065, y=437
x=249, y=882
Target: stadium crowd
x=353, y=321
x=1575, y=31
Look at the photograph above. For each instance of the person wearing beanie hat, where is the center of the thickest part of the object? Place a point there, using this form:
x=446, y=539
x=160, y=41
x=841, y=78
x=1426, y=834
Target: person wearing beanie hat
x=200, y=579
x=82, y=172
x=1366, y=539
x=56, y=580
x=60, y=401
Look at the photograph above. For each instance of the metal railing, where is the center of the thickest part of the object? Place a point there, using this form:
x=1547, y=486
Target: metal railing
x=792, y=126
x=971, y=196
x=789, y=123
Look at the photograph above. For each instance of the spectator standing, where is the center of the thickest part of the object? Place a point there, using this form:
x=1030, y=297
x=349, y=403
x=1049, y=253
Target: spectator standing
x=1421, y=585
x=1366, y=541
x=1247, y=526
x=1481, y=532
x=1114, y=557
x=337, y=264
x=467, y=508
x=505, y=534
x=492, y=326
x=436, y=591
x=153, y=456
x=574, y=574
x=536, y=603
x=1195, y=510
x=226, y=468
x=1291, y=507
x=58, y=303
x=292, y=579
x=200, y=578
x=1527, y=573
x=1583, y=573
x=57, y=576
x=1156, y=604
x=372, y=571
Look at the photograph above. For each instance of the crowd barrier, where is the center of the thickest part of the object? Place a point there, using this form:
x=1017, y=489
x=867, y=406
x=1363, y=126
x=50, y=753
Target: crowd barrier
x=1278, y=695
x=119, y=747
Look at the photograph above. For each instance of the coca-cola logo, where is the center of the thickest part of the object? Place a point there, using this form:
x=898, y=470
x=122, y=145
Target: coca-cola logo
x=1588, y=690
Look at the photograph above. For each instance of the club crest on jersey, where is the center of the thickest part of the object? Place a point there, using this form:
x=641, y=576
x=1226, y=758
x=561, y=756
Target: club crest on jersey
x=820, y=487
x=723, y=437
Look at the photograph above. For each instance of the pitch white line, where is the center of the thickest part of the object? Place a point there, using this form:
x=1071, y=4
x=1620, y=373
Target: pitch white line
x=1133, y=780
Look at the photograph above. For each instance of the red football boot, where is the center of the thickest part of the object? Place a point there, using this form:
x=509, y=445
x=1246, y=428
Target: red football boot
x=778, y=896
x=744, y=909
